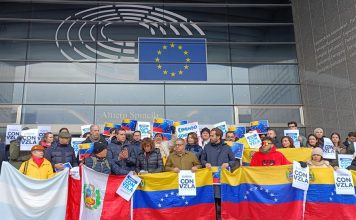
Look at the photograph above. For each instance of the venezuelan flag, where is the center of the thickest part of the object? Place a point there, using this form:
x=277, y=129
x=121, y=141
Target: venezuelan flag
x=322, y=201
x=107, y=128
x=85, y=150
x=161, y=125
x=128, y=124
x=297, y=154
x=158, y=198
x=260, y=193
x=177, y=123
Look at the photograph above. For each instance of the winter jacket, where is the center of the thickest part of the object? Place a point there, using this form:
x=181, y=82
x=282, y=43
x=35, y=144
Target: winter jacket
x=217, y=154
x=271, y=158
x=321, y=164
x=31, y=169
x=101, y=165
x=101, y=140
x=128, y=164
x=151, y=162
x=194, y=148
x=61, y=153
x=16, y=156
x=184, y=161
x=136, y=145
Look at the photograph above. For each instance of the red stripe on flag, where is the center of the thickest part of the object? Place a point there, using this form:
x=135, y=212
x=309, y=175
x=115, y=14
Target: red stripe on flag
x=74, y=197
x=253, y=210
x=196, y=212
x=114, y=206
x=318, y=210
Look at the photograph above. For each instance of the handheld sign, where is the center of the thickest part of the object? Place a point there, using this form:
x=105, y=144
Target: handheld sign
x=42, y=130
x=222, y=126
x=187, y=185
x=260, y=126
x=294, y=134
x=343, y=182
x=128, y=186
x=345, y=160
x=85, y=128
x=66, y=165
x=144, y=128
x=75, y=144
x=236, y=148
x=29, y=138
x=253, y=140
x=12, y=132
x=300, y=176
x=328, y=149
x=184, y=130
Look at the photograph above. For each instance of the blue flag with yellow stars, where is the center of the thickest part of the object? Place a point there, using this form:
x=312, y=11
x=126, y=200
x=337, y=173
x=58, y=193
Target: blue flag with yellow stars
x=172, y=59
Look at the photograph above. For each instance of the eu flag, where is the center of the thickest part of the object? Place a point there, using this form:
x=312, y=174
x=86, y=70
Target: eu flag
x=172, y=59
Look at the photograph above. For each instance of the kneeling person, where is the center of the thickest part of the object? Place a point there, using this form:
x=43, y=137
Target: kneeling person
x=37, y=167
x=181, y=159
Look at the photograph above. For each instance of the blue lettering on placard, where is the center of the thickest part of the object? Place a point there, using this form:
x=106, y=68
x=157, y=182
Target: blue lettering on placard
x=29, y=140
x=253, y=140
x=190, y=128
x=129, y=184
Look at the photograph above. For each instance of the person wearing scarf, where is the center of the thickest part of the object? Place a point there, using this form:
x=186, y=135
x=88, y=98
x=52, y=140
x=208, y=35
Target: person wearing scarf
x=37, y=166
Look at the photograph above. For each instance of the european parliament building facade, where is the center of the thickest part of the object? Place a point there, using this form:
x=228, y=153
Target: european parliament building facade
x=69, y=63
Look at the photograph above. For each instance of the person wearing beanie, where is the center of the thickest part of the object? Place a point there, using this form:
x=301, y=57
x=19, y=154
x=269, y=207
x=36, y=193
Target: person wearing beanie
x=268, y=155
x=37, y=166
x=98, y=161
x=317, y=159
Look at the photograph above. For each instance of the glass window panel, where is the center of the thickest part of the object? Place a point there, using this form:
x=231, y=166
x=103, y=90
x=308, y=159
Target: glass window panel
x=273, y=115
x=49, y=51
x=13, y=30
x=197, y=14
x=260, y=14
x=15, y=10
x=129, y=94
x=11, y=93
x=201, y=114
x=8, y=114
x=198, y=94
x=59, y=93
x=259, y=1
x=115, y=114
x=283, y=53
x=218, y=52
x=266, y=94
x=60, y=114
x=12, y=71
x=262, y=33
x=260, y=73
x=57, y=11
x=12, y=50
x=60, y=72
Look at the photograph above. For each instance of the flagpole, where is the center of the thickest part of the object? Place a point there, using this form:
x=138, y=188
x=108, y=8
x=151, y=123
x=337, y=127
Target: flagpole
x=131, y=208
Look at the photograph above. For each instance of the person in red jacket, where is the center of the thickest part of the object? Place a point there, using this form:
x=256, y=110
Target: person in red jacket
x=268, y=156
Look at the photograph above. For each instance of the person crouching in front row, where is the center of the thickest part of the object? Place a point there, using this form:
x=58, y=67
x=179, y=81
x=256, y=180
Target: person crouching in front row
x=317, y=159
x=37, y=166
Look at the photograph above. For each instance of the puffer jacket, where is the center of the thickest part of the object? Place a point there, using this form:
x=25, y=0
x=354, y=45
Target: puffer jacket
x=61, y=154
x=114, y=150
x=194, y=148
x=151, y=163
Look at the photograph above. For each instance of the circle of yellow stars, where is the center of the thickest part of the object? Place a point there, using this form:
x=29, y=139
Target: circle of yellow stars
x=165, y=47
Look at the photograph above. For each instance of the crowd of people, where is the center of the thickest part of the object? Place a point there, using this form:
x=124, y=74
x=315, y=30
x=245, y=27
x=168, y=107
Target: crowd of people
x=123, y=152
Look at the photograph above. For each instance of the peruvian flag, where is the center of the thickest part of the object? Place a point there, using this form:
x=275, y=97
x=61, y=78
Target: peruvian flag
x=94, y=197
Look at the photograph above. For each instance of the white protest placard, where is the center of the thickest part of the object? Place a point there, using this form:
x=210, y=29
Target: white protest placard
x=186, y=183
x=12, y=132
x=300, y=176
x=343, y=182
x=144, y=128
x=345, y=160
x=128, y=186
x=328, y=149
x=85, y=128
x=75, y=144
x=253, y=139
x=74, y=173
x=222, y=126
x=183, y=130
x=294, y=134
x=29, y=138
x=42, y=130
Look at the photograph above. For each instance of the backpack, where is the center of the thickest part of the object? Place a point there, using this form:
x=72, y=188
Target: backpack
x=95, y=162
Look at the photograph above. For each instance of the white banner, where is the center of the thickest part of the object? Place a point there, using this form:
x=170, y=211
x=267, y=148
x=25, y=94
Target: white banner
x=328, y=149
x=300, y=176
x=186, y=183
x=345, y=160
x=253, y=139
x=128, y=186
x=22, y=197
x=343, y=182
x=12, y=132
x=85, y=128
x=294, y=134
x=29, y=138
x=42, y=130
x=184, y=130
x=144, y=128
